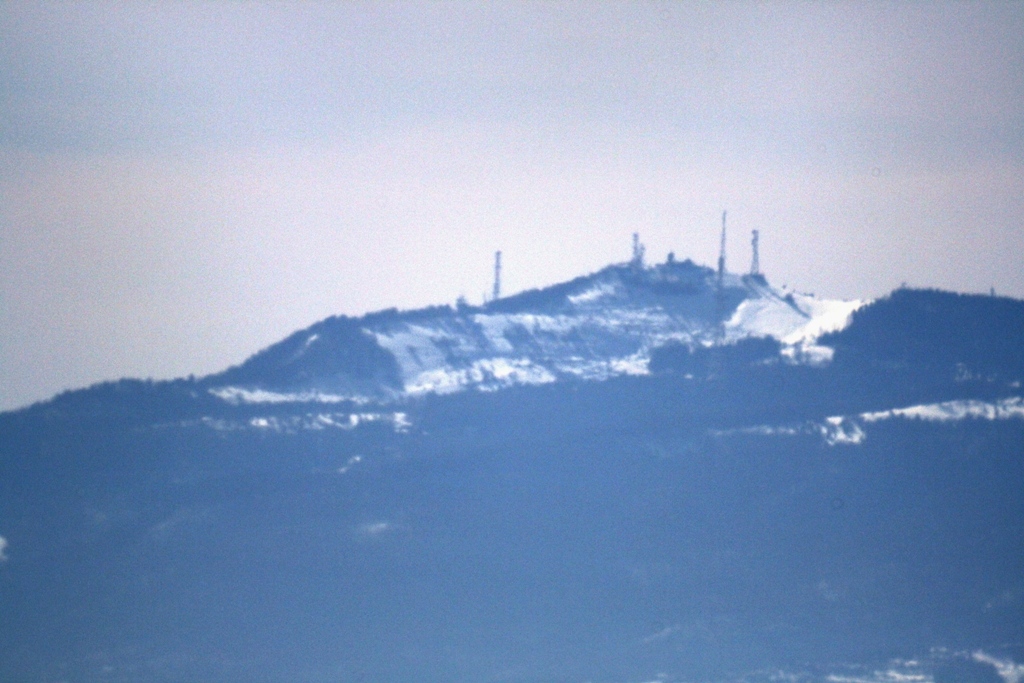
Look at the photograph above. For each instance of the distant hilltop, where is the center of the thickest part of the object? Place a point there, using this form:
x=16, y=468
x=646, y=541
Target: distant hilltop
x=593, y=327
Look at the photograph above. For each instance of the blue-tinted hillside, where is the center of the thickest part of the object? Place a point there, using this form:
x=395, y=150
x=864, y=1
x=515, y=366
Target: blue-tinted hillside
x=936, y=331
x=632, y=476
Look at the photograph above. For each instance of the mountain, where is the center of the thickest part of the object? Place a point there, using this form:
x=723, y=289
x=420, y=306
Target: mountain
x=646, y=473
x=592, y=328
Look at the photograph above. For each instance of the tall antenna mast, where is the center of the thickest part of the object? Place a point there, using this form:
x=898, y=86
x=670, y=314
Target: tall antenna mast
x=638, y=252
x=497, y=276
x=720, y=301
x=721, y=254
x=755, y=264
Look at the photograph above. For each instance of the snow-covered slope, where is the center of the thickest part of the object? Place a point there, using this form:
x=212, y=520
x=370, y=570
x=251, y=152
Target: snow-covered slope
x=591, y=328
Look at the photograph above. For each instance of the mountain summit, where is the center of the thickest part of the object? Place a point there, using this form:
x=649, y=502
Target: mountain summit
x=594, y=327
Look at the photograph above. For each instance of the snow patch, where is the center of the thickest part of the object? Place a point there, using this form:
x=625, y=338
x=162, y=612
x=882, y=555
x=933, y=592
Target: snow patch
x=415, y=349
x=823, y=316
x=637, y=364
x=764, y=317
x=808, y=354
x=239, y=395
x=759, y=430
x=488, y=374
x=353, y=461
x=305, y=347
x=1010, y=671
x=848, y=430
x=796, y=320
x=949, y=411
x=494, y=327
x=492, y=351
x=841, y=430
x=887, y=676
x=593, y=294
x=291, y=424
x=401, y=422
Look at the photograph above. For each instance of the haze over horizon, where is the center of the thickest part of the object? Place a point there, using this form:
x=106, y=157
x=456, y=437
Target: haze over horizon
x=183, y=184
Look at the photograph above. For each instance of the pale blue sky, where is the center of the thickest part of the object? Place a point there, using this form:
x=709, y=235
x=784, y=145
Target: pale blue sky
x=182, y=184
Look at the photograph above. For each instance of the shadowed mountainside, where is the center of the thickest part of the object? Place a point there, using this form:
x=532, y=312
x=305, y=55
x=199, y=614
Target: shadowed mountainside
x=734, y=513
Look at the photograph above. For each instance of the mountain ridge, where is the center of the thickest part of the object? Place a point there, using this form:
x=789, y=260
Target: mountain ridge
x=777, y=326
x=593, y=327
x=769, y=500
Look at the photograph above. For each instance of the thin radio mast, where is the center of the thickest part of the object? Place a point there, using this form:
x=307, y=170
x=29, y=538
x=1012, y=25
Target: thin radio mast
x=720, y=299
x=755, y=264
x=638, y=252
x=721, y=254
x=497, y=276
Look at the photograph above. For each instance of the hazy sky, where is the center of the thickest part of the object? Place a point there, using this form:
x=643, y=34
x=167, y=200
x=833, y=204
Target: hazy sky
x=182, y=184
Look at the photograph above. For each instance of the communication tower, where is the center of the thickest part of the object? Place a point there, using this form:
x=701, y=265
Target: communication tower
x=638, y=252
x=721, y=254
x=755, y=263
x=497, y=276
x=720, y=307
